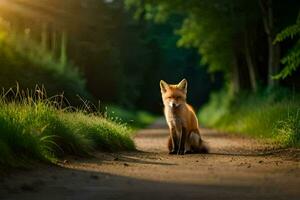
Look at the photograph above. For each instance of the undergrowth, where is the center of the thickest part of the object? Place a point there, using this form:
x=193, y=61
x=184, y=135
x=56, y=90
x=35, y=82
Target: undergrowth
x=35, y=128
x=133, y=118
x=271, y=114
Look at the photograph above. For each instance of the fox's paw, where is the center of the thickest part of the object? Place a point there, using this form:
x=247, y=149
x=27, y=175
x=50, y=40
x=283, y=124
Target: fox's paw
x=188, y=152
x=180, y=152
x=172, y=152
x=203, y=149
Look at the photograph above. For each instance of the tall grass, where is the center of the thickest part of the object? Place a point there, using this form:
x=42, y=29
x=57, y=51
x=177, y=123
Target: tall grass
x=35, y=128
x=269, y=114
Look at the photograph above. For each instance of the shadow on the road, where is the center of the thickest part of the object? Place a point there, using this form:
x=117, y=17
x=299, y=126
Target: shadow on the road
x=237, y=154
x=140, y=161
x=63, y=183
x=137, y=157
x=287, y=152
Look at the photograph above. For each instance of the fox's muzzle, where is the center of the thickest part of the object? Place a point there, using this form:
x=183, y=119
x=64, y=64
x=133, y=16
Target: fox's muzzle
x=173, y=104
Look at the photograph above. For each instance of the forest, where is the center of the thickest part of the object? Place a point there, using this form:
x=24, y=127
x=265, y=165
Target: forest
x=82, y=76
x=254, y=45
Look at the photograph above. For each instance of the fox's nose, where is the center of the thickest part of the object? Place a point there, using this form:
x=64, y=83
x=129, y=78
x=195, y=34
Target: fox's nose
x=172, y=104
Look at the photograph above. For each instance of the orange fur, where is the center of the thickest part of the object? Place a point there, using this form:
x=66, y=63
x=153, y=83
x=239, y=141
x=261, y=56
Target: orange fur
x=181, y=118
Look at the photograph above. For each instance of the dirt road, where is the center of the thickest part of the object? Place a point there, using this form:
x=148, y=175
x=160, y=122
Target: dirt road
x=236, y=168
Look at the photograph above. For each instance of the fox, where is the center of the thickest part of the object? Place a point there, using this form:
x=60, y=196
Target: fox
x=182, y=121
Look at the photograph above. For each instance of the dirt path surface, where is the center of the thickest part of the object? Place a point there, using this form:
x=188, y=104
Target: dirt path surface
x=236, y=168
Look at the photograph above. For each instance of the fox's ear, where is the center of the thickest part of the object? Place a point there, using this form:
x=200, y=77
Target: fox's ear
x=183, y=85
x=163, y=86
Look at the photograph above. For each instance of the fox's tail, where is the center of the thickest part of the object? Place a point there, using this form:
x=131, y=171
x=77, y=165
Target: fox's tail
x=198, y=145
x=202, y=147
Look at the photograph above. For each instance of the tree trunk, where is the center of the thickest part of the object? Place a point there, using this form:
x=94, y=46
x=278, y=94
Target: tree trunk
x=250, y=64
x=54, y=43
x=235, y=77
x=273, y=62
x=273, y=50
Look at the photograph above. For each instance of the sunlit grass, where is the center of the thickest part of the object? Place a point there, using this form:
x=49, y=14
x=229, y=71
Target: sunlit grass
x=268, y=115
x=34, y=128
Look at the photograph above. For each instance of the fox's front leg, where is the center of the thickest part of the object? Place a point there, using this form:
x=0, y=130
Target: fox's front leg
x=182, y=139
x=173, y=141
x=187, y=146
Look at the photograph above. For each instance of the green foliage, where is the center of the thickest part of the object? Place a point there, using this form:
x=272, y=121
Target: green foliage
x=134, y=119
x=291, y=61
x=218, y=106
x=230, y=36
x=209, y=26
x=33, y=130
x=26, y=62
x=270, y=114
x=120, y=58
x=207, y=39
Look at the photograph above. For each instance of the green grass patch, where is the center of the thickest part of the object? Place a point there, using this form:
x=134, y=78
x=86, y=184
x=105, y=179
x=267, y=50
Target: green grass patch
x=270, y=114
x=33, y=130
x=133, y=118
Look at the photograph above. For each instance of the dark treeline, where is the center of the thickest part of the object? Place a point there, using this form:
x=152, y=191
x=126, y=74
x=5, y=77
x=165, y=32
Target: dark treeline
x=122, y=59
x=252, y=44
x=239, y=38
x=256, y=45
x=241, y=58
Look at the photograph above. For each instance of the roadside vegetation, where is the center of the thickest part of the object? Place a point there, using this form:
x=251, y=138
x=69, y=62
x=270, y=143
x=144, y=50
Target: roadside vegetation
x=134, y=118
x=256, y=46
x=248, y=48
x=40, y=125
x=35, y=129
x=271, y=115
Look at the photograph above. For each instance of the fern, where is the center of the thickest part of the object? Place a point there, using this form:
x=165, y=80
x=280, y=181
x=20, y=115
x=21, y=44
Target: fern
x=291, y=61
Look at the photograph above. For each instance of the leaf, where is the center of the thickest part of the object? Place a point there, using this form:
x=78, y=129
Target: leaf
x=291, y=62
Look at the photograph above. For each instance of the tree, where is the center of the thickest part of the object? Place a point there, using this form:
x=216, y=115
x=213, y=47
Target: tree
x=233, y=36
x=291, y=61
x=273, y=49
x=216, y=28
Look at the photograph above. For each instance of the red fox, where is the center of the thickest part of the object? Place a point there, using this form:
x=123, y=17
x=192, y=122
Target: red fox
x=181, y=119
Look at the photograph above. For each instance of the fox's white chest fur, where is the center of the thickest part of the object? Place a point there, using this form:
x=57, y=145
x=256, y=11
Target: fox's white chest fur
x=173, y=118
